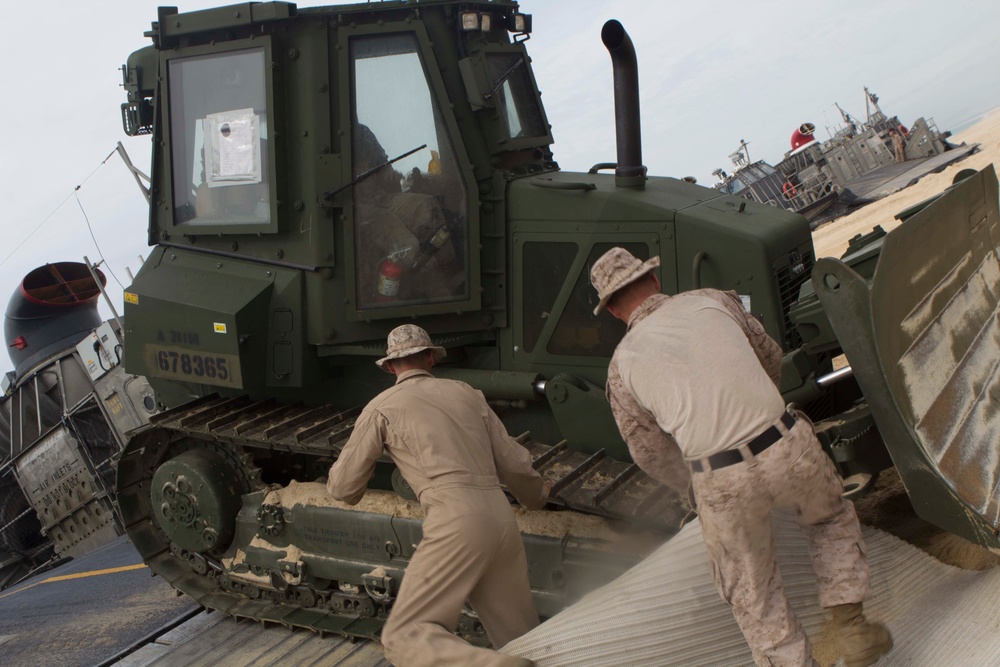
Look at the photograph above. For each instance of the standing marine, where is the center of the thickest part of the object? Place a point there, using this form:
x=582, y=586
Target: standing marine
x=694, y=389
x=898, y=145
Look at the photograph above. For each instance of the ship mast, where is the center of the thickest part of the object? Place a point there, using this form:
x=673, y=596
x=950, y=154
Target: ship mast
x=741, y=157
x=847, y=119
x=871, y=100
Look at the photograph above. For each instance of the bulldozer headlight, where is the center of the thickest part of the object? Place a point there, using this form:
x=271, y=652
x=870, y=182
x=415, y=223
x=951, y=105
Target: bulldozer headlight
x=470, y=21
x=520, y=23
x=477, y=21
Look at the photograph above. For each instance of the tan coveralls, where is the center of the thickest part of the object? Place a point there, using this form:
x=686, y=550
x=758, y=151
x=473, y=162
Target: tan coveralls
x=696, y=375
x=454, y=451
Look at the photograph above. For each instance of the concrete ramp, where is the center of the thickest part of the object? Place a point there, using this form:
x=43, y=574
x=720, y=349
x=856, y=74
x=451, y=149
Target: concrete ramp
x=666, y=611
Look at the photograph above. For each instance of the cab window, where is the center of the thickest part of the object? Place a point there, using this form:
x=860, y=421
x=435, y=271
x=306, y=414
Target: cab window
x=579, y=332
x=410, y=216
x=218, y=131
x=546, y=266
x=515, y=98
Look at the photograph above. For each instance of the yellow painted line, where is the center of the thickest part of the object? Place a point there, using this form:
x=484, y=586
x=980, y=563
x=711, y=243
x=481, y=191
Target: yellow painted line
x=94, y=573
x=78, y=575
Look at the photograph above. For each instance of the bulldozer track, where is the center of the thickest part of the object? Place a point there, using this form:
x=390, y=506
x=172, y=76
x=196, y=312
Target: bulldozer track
x=589, y=483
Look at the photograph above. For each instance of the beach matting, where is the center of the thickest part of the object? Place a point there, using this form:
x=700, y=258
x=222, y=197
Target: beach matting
x=666, y=610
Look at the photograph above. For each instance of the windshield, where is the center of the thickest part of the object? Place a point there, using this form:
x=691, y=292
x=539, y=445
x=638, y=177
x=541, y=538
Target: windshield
x=410, y=217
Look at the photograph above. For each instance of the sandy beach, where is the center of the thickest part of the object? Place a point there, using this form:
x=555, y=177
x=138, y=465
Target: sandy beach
x=831, y=238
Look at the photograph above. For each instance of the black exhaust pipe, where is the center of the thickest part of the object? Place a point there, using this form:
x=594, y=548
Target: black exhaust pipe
x=630, y=171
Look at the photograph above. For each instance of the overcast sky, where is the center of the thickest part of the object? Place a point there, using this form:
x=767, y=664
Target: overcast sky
x=710, y=74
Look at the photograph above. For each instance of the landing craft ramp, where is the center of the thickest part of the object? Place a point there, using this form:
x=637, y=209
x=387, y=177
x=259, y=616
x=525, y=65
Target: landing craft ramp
x=891, y=178
x=665, y=611
x=894, y=177
x=216, y=640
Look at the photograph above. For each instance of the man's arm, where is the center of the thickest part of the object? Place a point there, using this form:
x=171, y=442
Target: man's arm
x=350, y=473
x=652, y=450
x=513, y=464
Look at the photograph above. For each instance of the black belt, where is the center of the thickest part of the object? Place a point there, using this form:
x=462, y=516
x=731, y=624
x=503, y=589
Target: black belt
x=733, y=456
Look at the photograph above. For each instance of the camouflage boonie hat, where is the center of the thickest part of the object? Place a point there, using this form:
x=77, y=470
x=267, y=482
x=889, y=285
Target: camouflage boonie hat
x=614, y=270
x=406, y=340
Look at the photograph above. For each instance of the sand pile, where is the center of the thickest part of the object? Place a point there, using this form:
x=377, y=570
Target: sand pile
x=887, y=507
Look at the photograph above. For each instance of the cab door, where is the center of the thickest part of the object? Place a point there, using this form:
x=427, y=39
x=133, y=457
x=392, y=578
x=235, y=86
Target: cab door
x=413, y=210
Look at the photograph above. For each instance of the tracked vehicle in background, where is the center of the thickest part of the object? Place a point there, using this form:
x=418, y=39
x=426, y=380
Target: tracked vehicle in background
x=322, y=175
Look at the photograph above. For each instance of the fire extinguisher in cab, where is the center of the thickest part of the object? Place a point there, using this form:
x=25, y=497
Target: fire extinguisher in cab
x=389, y=273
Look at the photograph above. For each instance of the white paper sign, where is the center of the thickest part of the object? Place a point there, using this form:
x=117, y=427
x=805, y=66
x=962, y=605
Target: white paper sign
x=232, y=148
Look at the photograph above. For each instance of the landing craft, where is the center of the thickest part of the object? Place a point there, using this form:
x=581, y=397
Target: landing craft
x=66, y=408
x=855, y=166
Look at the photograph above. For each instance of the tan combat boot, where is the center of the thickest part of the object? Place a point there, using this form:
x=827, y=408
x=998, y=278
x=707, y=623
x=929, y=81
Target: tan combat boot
x=524, y=662
x=861, y=643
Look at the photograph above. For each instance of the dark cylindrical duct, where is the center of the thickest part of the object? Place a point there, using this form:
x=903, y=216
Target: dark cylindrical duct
x=54, y=308
x=627, y=129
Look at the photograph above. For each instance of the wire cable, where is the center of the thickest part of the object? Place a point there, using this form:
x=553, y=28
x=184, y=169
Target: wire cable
x=39, y=226
x=58, y=206
x=96, y=245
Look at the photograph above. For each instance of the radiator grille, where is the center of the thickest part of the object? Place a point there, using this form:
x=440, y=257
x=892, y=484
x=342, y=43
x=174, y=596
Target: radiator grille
x=788, y=290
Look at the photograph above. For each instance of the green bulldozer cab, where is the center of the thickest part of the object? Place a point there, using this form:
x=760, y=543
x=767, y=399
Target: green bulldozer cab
x=321, y=175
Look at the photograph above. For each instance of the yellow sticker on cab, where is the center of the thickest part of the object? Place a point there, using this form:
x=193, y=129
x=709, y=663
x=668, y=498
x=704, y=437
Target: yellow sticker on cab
x=220, y=327
x=131, y=297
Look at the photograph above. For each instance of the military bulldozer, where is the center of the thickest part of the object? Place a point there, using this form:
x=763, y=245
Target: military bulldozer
x=322, y=175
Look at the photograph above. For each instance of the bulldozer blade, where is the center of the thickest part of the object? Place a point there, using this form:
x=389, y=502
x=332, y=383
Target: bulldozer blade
x=923, y=338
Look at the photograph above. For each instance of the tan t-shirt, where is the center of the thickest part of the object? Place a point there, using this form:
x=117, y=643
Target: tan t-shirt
x=694, y=375
x=441, y=434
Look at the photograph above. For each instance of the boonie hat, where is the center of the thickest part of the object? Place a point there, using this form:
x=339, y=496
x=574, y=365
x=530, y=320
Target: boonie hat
x=406, y=340
x=614, y=270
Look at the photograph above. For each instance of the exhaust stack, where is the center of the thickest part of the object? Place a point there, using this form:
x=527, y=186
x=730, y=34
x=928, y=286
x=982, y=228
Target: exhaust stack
x=630, y=172
x=54, y=308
